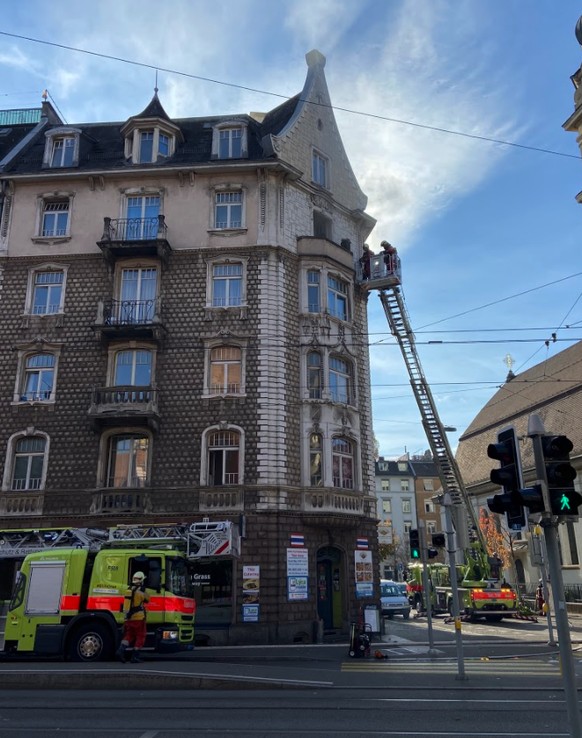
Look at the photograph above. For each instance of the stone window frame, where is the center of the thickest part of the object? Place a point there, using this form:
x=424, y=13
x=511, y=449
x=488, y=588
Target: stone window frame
x=25, y=351
x=326, y=355
x=59, y=134
x=232, y=124
x=354, y=456
x=210, y=264
x=320, y=163
x=320, y=449
x=204, y=456
x=30, y=432
x=224, y=188
x=30, y=289
x=42, y=200
x=104, y=449
x=325, y=272
x=213, y=343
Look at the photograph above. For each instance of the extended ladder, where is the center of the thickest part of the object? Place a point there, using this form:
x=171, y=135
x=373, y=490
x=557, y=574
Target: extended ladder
x=449, y=474
x=198, y=540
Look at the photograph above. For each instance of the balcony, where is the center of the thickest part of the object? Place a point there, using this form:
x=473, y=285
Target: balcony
x=21, y=504
x=124, y=404
x=129, y=319
x=118, y=501
x=329, y=506
x=127, y=237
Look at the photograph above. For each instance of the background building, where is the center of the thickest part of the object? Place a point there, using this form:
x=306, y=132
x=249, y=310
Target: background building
x=183, y=337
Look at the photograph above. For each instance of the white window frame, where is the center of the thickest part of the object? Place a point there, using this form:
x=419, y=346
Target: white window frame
x=133, y=139
x=386, y=506
x=30, y=293
x=429, y=507
x=11, y=459
x=24, y=353
x=406, y=506
x=347, y=375
x=313, y=285
x=62, y=133
x=428, y=485
x=320, y=169
x=385, y=485
x=353, y=455
x=229, y=125
x=339, y=295
x=210, y=277
x=431, y=527
x=211, y=346
x=404, y=485
x=204, y=465
x=43, y=203
x=220, y=193
x=314, y=389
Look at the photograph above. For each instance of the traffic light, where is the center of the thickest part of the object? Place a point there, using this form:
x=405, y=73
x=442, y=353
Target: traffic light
x=564, y=500
x=438, y=540
x=414, y=544
x=508, y=476
x=432, y=553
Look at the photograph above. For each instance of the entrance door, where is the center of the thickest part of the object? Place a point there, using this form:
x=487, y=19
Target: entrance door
x=330, y=587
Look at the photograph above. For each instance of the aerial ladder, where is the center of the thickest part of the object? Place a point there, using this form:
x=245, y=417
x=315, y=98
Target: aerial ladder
x=385, y=275
x=199, y=540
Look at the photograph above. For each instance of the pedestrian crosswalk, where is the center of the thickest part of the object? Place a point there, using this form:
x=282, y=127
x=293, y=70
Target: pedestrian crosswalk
x=522, y=667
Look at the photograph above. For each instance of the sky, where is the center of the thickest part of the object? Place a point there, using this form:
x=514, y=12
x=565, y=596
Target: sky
x=488, y=233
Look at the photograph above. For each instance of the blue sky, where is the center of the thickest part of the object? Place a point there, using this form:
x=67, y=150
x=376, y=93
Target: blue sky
x=474, y=221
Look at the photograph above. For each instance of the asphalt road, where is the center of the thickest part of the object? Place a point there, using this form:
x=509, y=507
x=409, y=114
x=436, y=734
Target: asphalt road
x=512, y=687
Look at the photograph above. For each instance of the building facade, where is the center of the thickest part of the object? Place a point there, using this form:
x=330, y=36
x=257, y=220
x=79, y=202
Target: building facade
x=184, y=337
x=397, y=514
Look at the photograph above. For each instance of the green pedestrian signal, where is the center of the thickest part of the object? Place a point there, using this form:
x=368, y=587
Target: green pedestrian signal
x=564, y=500
x=414, y=544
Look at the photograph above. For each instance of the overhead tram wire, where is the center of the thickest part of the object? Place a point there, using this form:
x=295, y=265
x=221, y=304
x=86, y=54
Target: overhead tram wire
x=157, y=67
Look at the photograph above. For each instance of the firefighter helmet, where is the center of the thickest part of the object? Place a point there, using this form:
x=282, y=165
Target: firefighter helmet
x=139, y=575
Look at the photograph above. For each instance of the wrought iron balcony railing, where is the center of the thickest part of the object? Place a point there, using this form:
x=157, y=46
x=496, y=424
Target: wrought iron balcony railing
x=134, y=229
x=130, y=312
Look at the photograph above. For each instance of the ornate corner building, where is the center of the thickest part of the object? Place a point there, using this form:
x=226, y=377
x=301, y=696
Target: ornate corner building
x=183, y=337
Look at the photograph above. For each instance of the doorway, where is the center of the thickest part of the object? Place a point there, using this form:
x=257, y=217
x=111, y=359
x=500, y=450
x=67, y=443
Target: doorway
x=330, y=587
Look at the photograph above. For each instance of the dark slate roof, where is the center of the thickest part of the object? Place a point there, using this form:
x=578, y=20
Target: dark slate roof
x=424, y=468
x=393, y=469
x=102, y=145
x=277, y=118
x=154, y=109
x=12, y=135
x=551, y=389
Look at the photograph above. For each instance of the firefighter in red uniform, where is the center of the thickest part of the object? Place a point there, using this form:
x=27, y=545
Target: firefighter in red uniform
x=134, y=626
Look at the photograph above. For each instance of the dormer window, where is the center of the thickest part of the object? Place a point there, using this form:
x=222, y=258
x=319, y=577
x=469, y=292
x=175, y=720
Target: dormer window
x=61, y=148
x=146, y=145
x=230, y=140
x=63, y=152
x=230, y=143
x=149, y=145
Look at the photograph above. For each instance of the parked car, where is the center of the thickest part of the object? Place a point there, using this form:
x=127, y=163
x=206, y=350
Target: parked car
x=394, y=599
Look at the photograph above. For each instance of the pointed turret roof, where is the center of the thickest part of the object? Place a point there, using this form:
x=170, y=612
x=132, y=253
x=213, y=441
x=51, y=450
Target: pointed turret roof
x=154, y=109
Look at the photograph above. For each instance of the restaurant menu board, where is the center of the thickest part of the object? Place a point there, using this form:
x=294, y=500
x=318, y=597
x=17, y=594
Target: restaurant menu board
x=297, y=574
x=250, y=593
x=364, y=574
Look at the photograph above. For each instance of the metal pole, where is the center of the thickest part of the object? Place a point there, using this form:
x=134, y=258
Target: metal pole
x=447, y=503
x=535, y=432
x=537, y=531
x=426, y=586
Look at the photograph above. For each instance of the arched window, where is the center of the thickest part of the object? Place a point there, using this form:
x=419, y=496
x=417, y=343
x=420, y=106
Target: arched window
x=128, y=460
x=342, y=462
x=38, y=379
x=223, y=447
x=315, y=460
x=28, y=463
x=340, y=380
x=314, y=376
x=225, y=370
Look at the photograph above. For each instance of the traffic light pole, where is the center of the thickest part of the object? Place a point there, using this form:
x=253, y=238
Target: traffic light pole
x=426, y=586
x=447, y=502
x=536, y=431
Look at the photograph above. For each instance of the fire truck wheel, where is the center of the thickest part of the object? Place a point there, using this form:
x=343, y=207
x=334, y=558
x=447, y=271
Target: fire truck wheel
x=89, y=642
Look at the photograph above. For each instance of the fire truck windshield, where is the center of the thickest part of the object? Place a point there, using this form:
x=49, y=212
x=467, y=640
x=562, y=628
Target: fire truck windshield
x=178, y=578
